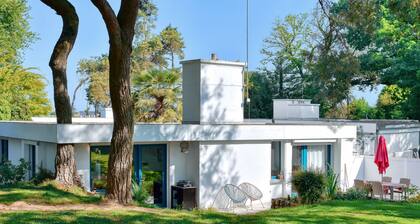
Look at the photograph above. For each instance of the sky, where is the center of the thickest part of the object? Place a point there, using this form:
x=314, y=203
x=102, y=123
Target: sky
x=207, y=26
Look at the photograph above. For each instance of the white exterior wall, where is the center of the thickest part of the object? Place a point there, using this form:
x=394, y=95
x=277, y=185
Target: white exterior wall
x=294, y=109
x=46, y=155
x=212, y=91
x=401, y=141
x=398, y=168
x=233, y=163
x=183, y=166
x=346, y=163
x=15, y=150
x=82, y=156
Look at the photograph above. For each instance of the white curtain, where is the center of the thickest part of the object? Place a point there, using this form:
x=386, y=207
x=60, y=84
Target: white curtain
x=316, y=157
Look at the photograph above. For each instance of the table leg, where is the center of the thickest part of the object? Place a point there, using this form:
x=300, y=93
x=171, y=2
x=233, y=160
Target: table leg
x=392, y=192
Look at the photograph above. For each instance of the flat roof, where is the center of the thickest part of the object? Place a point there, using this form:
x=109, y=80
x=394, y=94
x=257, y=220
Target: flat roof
x=215, y=62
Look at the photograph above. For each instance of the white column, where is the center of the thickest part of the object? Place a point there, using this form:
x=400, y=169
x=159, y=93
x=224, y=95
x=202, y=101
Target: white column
x=346, y=162
x=287, y=150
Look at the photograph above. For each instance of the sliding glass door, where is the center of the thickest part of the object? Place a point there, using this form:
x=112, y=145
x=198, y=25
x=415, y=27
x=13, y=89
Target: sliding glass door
x=149, y=170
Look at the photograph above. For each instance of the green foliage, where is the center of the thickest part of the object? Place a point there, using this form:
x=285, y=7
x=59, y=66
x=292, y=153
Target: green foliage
x=158, y=96
x=353, y=194
x=22, y=94
x=140, y=194
x=413, y=194
x=260, y=93
x=286, y=54
x=15, y=34
x=12, y=174
x=173, y=44
x=331, y=183
x=357, y=109
x=392, y=102
x=369, y=211
x=94, y=73
x=43, y=175
x=392, y=47
x=310, y=186
x=48, y=192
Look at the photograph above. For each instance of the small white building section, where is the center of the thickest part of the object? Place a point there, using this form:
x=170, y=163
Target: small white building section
x=212, y=91
x=301, y=109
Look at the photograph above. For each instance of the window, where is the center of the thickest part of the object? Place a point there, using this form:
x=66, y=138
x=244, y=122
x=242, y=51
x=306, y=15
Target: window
x=329, y=157
x=276, y=170
x=29, y=151
x=4, y=150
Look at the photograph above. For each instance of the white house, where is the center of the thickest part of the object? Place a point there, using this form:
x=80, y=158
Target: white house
x=213, y=147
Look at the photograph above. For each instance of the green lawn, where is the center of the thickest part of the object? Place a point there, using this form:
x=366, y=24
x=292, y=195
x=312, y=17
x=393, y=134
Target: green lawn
x=46, y=193
x=371, y=211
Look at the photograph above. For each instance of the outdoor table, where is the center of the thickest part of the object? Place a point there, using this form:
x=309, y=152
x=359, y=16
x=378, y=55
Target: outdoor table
x=391, y=187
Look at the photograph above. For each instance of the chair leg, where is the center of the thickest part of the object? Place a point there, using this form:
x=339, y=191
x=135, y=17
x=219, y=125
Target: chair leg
x=262, y=204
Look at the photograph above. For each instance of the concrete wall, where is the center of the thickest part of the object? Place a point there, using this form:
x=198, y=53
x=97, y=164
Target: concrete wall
x=213, y=91
x=233, y=163
x=398, y=168
x=82, y=156
x=15, y=150
x=403, y=141
x=191, y=74
x=46, y=155
x=346, y=163
x=183, y=166
x=294, y=109
x=155, y=133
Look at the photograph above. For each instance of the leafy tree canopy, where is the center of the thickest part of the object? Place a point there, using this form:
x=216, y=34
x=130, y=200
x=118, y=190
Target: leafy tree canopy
x=15, y=34
x=22, y=94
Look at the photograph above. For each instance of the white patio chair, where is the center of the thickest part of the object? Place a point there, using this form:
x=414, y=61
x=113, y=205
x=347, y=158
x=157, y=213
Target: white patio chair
x=253, y=193
x=221, y=201
x=237, y=197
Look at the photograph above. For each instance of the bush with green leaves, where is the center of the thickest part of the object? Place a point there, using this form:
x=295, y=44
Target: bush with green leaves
x=43, y=175
x=12, y=174
x=140, y=194
x=353, y=194
x=331, y=184
x=310, y=186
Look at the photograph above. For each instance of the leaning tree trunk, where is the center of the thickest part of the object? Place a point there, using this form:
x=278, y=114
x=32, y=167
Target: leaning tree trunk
x=65, y=165
x=121, y=31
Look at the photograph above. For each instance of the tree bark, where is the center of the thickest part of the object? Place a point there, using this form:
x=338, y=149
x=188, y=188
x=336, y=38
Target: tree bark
x=121, y=32
x=65, y=165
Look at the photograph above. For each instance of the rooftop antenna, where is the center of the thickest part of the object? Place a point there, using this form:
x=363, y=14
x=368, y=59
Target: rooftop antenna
x=248, y=100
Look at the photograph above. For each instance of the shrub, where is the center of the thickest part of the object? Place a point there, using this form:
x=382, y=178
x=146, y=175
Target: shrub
x=140, y=195
x=331, y=184
x=12, y=174
x=43, y=175
x=353, y=194
x=310, y=185
x=413, y=194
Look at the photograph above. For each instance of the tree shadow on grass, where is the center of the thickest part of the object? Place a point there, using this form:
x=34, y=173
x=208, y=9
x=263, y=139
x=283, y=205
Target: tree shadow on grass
x=46, y=194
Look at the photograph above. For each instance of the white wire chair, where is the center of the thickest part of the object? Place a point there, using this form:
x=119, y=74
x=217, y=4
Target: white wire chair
x=253, y=193
x=237, y=197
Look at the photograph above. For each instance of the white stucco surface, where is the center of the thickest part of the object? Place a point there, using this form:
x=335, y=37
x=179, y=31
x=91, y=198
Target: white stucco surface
x=398, y=168
x=233, y=163
x=82, y=156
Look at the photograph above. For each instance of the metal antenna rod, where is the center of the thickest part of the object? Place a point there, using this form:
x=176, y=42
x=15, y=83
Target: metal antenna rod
x=247, y=60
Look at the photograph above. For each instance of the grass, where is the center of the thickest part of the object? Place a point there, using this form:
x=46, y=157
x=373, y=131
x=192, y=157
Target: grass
x=370, y=211
x=48, y=193
x=327, y=212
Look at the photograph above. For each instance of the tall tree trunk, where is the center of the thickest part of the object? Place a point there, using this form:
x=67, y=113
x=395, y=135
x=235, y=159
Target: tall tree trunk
x=65, y=165
x=121, y=31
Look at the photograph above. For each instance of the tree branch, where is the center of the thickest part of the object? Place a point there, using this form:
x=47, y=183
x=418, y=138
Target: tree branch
x=111, y=21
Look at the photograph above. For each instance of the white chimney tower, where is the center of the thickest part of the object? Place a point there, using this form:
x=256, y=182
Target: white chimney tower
x=212, y=91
